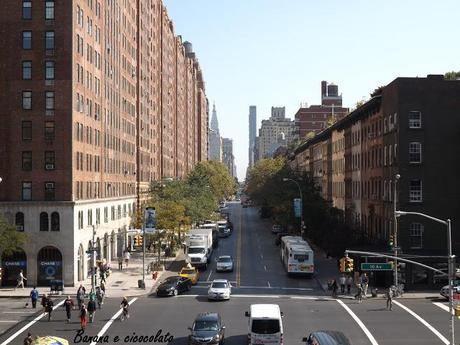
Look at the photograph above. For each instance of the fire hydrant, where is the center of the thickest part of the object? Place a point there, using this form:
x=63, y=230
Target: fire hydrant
x=154, y=275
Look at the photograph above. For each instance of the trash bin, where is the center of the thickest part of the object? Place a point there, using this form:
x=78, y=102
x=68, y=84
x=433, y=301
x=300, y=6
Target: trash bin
x=141, y=284
x=374, y=292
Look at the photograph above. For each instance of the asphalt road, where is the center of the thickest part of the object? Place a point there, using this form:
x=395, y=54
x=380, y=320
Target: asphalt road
x=258, y=278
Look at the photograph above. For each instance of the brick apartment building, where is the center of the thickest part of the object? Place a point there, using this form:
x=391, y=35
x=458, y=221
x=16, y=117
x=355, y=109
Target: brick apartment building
x=316, y=118
x=99, y=99
x=410, y=129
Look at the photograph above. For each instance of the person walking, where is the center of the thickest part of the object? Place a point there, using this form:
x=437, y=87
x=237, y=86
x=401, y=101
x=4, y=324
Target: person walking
x=349, y=283
x=34, y=297
x=342, y=281
x=359, y=294
x=83, y=320
x=365, y=284
x=81, y=292
x=68, y=305
x=334, y=288
x=99, y=297
x=91, y=309
x=125, y=306
x=127, y=257
x=102, y=285
x=389, y=299
x=49, y=308
x=120, y=263
x=21, y=279
x=44, y=302
x=102, y=275
x=92, y=295
x=28, y=340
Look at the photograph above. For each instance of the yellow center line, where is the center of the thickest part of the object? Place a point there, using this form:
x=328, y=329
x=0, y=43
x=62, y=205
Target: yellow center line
x=238, y=253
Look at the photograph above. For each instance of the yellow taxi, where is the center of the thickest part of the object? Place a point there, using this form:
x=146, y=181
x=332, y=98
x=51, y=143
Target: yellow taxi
x=191, y=273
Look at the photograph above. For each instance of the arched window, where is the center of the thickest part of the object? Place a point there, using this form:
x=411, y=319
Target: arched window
x=44, y=223
x=55, y=224
x=19, y=221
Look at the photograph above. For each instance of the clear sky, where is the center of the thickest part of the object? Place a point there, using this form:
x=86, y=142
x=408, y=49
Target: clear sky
x=276, y=52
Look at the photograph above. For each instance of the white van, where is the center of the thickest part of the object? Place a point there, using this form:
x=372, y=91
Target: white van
x=265, y=325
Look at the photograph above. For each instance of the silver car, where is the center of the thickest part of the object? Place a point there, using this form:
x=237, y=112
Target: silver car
x=224, y=264
x=445, y=291
x=220, y=289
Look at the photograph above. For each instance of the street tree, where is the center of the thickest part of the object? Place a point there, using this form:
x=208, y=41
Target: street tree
x=11, y=240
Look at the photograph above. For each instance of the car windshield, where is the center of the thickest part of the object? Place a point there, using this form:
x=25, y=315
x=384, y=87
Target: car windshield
x=171, y=280
x=202, y=325
x=196, y=251
x=301, y=257
x=265, y=326
x=188, y=271
x=219, y=285
x=225, y=260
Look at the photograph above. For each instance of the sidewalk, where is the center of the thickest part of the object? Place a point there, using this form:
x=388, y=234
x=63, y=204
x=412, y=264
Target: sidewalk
x=327, y=269
x=119, y=283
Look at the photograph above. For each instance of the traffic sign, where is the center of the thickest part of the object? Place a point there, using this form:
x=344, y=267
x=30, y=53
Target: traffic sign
x=297, y=207
x=376, y=266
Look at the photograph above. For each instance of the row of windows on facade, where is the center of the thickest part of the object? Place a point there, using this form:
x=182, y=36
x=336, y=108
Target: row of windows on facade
x=49, y=160
x=27, y=9
x=379, y=190
x=93, y=189
x=81, y=14
x=44, y=221
x=49, y=191
x=116, y=213
x=27, y=70
x=92, y=55
x=27, y=103
x=92, y=83
x=48, y=37
x=80, y=106
x=27, y=130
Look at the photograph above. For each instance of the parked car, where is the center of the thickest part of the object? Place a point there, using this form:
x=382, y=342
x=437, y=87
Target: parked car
x=220, y=289
x=326, y=338
x=191, y=273
x=276, y=228
x=172, y=286
x=224, y=263
x=279, y=236
x=445, y=291
x=207, y=329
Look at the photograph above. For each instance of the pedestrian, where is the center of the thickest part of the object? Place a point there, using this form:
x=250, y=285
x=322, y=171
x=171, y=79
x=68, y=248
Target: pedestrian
x=102, y=285
x=81, y=292
x=365, y=283
x=91, y=309
x=359, y=294
x=120, y=263
x=28, y=340
x=99, y=296
x=349, y=283
x=390, y=299
x=21, y=279
x=69, y=305
x=49, y=308
x=83, y=320
x=342, y=281
x=92, y=295
x=334, y=288
x=44, y=302
x=34, y=297
x=102, y=274
x=127, y=257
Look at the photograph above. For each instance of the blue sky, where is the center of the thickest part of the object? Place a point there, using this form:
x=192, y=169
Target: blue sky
x=276, y=52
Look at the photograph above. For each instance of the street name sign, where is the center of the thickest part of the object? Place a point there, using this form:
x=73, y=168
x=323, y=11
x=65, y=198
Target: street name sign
x=376, y=266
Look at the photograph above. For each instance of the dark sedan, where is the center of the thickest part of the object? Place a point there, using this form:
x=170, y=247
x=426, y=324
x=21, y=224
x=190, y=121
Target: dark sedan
x=326, y=338
x=207, y=329
x=172, y=286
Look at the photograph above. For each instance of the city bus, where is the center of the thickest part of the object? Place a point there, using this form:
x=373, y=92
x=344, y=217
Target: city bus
x=296, y=255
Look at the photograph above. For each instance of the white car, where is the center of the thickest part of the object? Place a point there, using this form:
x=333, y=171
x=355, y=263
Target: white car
x=220, y=289
x=224, y=264
x=445, y=291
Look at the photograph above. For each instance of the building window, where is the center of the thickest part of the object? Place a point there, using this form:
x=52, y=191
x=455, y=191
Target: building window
x=19, y=221
x=49, y=10
x=27, y=70
x=106, y=214
x=415, y=119
x=49, y=70
x=98, y=216
x=55, y=222
x=415, y=191
x=415, y=152
x=49, y=40
x=49, y=100
x=416, y=236
x=26, y=130
x=44, y=223
x=49, y=130
x=27, y=40
x=26, y=9
x=27, y=160
x=50, y=191
x=80, y=219
x=26, y=190
x=49, y=160
x=26, y=100
x=90, y=217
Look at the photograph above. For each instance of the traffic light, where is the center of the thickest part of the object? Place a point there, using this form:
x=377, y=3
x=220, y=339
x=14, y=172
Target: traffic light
x=342, y=264
x=348, y=265
x=391, y=241
x=138, y=241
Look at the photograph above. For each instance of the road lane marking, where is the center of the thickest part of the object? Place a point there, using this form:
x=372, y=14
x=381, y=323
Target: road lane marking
x=265, y=268
x=11, y=338
x=268, y=284
x=109, y=323
x=443, y=307
x=209, y=276
x=259, y=287
x=8, y=321
x=312, y=298
x=359, y=322
x=20, y=312
x=427, y=325
x=261, y=256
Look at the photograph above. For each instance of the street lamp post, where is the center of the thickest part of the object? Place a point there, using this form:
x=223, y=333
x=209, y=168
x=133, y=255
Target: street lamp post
x=395, y=234
x=285, y=179
x=93, y=260
x=450, y=264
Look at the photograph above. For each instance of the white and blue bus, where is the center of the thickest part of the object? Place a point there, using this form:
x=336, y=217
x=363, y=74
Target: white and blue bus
x=296, y=255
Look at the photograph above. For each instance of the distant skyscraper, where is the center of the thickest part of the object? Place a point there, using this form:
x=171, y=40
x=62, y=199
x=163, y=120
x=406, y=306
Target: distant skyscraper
x=215, y=141
x=252, y=133
x=227, y=153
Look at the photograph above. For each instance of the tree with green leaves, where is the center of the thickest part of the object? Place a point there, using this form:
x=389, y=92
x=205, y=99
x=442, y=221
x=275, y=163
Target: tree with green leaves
x=11, y=240
x=452, y=75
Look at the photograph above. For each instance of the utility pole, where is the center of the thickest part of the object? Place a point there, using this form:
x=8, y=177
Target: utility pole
x=93, y=260
x=285, y=179
x=395, y=234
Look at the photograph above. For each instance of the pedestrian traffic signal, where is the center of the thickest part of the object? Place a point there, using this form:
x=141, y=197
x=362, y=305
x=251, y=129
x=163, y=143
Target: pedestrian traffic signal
x=348, y=265
x=342, y=262
x=138, y=241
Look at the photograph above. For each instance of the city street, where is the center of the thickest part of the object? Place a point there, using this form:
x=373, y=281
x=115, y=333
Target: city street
x=258, y=277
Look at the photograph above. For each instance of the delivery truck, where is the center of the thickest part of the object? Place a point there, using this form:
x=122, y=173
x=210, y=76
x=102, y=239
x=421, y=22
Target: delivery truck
x=198, y=247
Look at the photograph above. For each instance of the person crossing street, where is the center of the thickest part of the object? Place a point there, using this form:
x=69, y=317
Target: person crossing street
x=81, y=292
x=342, y=281
x=34, y=297
x=349, y=283
x=68, y=305
x=83, y=313
x=99, y=296
x=91, y=309
x=389, y=296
